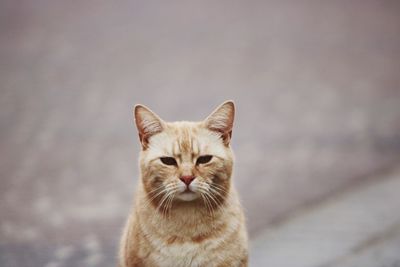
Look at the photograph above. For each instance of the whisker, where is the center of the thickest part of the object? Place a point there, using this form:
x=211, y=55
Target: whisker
x=219, y=193
x=165, y=189
x=205, y=187
x=204, y=201
x=218, y=187
x=208, y=197
x=168, y=202
x=209, y=206
x=216, y=201
x=171, y=201
x=162, y=206
x=157, y=188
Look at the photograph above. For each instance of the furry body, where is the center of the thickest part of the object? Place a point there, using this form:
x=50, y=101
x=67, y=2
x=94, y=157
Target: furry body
x=176, y=223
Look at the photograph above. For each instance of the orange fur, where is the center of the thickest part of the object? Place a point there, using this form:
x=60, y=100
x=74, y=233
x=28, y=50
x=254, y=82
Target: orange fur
x=173, y=224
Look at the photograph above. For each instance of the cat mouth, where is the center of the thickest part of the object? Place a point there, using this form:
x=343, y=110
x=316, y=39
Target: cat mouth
x=187, y=195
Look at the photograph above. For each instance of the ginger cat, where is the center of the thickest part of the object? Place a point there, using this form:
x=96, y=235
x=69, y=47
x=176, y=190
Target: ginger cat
x=186, y=211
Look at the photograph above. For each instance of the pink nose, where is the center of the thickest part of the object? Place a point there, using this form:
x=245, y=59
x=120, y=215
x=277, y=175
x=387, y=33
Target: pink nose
x=187, y=179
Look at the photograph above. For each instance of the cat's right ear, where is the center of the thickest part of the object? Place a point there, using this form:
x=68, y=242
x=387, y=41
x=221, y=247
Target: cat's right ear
x=147, y=123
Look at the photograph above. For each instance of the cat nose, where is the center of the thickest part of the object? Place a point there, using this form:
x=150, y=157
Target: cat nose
x=187, y=179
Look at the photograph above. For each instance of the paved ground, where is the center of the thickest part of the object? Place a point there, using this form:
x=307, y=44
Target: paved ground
x=316, y=85
x=360, y=227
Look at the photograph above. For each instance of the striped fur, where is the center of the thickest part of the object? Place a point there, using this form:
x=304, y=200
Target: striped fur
x=169, y=226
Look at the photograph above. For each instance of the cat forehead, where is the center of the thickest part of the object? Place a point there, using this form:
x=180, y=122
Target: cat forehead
x=182, y=128
x=186, y=137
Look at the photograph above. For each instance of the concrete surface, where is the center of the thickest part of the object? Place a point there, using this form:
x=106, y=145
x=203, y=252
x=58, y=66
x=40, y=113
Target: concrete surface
x=316, y=86
x=347, y=230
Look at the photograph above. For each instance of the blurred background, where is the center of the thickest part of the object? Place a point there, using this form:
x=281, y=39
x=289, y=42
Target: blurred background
x=316, y=137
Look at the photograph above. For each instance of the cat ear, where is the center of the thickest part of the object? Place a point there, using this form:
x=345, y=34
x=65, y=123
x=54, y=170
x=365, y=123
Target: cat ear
x=147, y=123
x=221, y=120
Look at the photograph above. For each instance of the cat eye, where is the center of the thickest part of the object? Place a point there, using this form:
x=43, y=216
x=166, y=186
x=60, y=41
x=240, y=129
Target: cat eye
x=203, y=159
x=168, y=161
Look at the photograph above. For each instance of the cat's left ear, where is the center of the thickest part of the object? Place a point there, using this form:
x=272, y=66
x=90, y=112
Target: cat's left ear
x=147, y=123
x=221, y=120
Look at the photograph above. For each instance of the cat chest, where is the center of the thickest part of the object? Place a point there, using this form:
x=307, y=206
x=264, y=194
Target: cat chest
x=172, y=250
x=185, y=254
x=205, y=248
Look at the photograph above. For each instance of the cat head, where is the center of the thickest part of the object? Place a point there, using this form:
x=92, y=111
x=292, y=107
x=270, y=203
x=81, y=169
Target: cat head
x=186, y=161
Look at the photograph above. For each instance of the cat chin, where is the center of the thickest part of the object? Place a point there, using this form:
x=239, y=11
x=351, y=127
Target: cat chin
x=187, y=196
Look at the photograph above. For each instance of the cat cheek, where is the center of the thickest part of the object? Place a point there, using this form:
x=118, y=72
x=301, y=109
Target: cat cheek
x=220, y=177
x=156, y=181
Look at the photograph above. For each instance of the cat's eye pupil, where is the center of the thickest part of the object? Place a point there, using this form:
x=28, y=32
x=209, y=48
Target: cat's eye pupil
x=168, y=161
x=203, y=159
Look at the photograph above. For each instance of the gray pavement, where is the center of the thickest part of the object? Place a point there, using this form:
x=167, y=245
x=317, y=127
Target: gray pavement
x=316, y=86
x=356, y=228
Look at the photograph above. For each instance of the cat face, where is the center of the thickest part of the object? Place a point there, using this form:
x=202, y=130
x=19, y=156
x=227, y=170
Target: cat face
x=186, y=161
